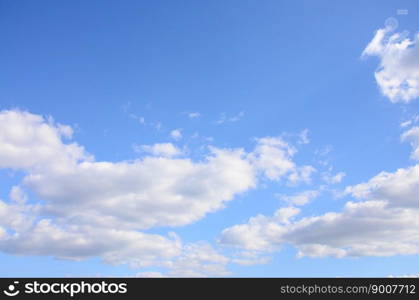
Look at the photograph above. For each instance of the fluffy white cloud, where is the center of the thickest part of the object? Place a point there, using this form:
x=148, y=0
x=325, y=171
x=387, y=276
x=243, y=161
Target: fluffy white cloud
x=176, y=134
x=197, y=260
x=300, y=198
x=273, y=157
x=301, y=174
x=398, y=189
x=224, y=119
x=95, y=208
x=136, y=249
x=405, y=276
x=398, y=73
x=30, y=141
x=368, y=228
x=16, y=217
x=384, y=223
x=261, y=233
x=163, y=149
x=333, y=179
x=153, y=191
x=412, y=135
x=303, y=137
x=115, y=246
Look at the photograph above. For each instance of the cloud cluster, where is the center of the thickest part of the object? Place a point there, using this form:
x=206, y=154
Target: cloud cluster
x=273, y=157
x=385, y=219
x=412, y=135
x=300, y=198
x=161, y=149
x=370, y=228
x=96, y=208
x=385, y=222
x=398, y=72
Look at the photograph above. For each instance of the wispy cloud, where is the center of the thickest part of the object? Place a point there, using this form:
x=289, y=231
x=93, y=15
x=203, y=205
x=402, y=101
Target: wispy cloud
x=193, y=115
x=176, y=134
x=226, y=119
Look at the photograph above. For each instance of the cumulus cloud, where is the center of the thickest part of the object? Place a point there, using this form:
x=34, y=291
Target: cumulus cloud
x=301, y=174
x=303, y=137
x=405, y=276
x=162, y=149
x=300, y=198
x=333, y=179
x=225, y=119
x=398, y=189
x=412, y=135
x=29, y=141
x=250, y=258
x=273, y=157
x=198, y=260
x=149, y=192
x=193, y=115
x=76, y=242
x=369, y=228
x=114, y=246
x=176, y=134
x=384, y=222
x=96, y=208
x=398, y=72
x=261, y=233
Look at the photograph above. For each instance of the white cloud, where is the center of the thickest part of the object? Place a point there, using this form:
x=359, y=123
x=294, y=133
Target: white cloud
x=273, y=156
x=193, y=115
x=28, y=141
x=412, y=135
x=303, y=137
x=251, y=258
x=384, y=223
x=368, y=228
x=398, y=72
x=333, y=179
x=176, y=134
x=261, y=233
x=148, y=192
x=410, y=122
x=153, y=191
x=399, y=189
x=405, y=276
x=139, y=119
x=198, y=260
x=16, y=217
x=406, y=123
x=300, y=198
x=163, y=149
x=95, y=208
x=150, y=274
x=18, y=195
x=225, y=119
x=301, y=174
x=76, y=242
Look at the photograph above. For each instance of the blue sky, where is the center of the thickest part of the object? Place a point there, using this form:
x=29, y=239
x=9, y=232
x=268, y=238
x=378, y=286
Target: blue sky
x=209, y=138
